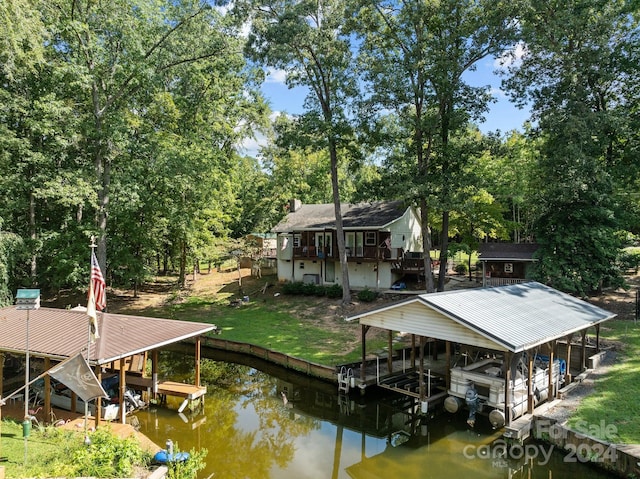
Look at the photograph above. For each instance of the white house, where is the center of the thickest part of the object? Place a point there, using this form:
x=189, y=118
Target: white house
x=383, y=243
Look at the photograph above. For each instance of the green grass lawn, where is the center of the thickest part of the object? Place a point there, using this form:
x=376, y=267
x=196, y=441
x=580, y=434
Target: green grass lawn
x=287, y=324
x=616, y=397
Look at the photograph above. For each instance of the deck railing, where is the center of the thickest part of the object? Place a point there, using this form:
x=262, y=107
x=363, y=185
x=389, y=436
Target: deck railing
x=492, y=282
x=361, y=252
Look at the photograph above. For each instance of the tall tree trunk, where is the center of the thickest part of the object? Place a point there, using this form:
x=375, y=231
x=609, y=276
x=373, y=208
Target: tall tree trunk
x=182, y=277
x=426, y=245
x=342, y=253
x=444, y=247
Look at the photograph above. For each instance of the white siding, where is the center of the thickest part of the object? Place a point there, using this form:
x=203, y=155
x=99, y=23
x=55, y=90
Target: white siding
x=417, y=318
x=364, y=275
x=406, y=233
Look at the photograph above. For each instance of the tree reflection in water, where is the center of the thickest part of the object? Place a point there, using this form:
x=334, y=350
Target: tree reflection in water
x=252, y=432
x=242, y=422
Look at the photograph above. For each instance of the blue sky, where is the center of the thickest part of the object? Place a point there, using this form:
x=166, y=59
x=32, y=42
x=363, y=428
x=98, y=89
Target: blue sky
x=503, y=115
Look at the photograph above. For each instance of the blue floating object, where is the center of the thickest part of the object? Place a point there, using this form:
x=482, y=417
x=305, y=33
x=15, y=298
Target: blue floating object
x=164, y=457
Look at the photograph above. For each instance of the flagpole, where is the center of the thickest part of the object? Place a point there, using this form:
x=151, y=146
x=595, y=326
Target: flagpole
x=91, y=298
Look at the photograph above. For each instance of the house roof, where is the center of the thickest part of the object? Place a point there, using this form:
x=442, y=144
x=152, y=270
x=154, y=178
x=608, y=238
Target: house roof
x=507, y=251
x=61, y=333
x=374, y=215
x=507, y=318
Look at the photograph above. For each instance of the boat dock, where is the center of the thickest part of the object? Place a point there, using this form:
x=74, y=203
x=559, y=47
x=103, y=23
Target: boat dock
x=189, y=392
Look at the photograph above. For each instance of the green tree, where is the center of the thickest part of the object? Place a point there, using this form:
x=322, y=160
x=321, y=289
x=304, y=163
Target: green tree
x=579, y=73
x=22, y=36
x=121, y=50
x=414, y=55
x=307, y=39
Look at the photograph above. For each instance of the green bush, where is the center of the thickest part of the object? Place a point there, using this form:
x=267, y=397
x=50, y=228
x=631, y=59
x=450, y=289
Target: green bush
x=108, y=456
x=293, y=288
x=334, y=291
x=312, y=289
x=367, y=295
x=461, y=268
x=187, y=469
x=630, y=260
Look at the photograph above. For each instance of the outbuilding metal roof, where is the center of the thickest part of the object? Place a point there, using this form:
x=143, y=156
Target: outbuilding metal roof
x=507, y=318
x=374, y=215
x=507, y=251
x=61, y=333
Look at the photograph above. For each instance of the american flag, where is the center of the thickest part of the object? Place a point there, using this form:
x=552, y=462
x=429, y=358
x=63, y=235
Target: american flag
x=98, y=284
x=97, y=296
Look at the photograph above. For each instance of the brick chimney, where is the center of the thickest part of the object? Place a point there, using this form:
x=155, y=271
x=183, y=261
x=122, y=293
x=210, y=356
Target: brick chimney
x=294, y=205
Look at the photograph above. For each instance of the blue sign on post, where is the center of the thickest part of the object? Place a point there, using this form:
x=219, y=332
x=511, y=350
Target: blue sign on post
x=28, y=299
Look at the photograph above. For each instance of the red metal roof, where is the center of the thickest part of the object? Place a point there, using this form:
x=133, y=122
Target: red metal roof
x=60, y=333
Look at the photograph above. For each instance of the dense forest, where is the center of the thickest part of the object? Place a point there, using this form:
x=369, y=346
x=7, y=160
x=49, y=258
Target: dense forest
x=123, y=119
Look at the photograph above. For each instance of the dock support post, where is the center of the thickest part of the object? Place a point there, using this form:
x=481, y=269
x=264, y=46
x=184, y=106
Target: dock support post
x=448, y=364
x=530, y=404
x=154, y=374
x=390, y=355
x=421, y=382
x=551, y=384
x=123, y=390
x=413, y=351
x=583, y=351
x=507, y=388
x=365, y=329
x=47, y=390
x=567, y=374
x=197, y=359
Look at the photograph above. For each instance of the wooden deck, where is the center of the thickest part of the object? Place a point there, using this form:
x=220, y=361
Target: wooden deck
x=187, y=391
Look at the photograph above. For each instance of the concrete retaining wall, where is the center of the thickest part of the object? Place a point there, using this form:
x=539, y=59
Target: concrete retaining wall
x=579, y=446
x=311, y=369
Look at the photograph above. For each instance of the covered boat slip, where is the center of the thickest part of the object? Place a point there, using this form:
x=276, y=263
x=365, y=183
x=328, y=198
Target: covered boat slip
x=120, y=351
x=525, y=331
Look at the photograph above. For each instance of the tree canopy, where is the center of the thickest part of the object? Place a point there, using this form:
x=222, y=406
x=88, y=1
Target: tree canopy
x=123, y=120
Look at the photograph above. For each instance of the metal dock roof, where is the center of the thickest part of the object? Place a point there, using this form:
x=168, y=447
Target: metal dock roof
x=508, y=318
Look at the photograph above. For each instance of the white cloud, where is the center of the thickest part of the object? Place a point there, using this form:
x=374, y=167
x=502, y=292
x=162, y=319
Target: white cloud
x=511, y=57
x=276, y=76
x=497, y=92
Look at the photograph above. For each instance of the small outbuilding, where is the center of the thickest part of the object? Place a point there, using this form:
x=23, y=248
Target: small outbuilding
x=506, y=263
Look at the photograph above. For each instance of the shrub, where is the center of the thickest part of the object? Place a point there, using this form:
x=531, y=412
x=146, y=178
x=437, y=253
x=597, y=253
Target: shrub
x=312, y=289
x=630, y=260
x=334, y=291
x=294, y=287
x=108, y=456
x=461, y=268
x=187, y=469
x=367, y=295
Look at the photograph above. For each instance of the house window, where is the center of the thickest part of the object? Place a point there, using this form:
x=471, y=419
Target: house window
x=324, y=244
x=508, y=267
x=370, y=238
x=350, y=243
x=296, y=241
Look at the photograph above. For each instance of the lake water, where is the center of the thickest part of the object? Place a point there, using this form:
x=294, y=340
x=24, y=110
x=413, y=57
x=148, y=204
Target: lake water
x=281, y=425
